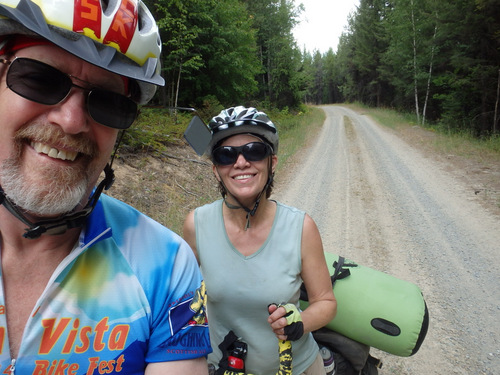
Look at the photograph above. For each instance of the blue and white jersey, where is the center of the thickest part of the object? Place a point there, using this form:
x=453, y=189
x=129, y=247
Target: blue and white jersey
x=129, y=294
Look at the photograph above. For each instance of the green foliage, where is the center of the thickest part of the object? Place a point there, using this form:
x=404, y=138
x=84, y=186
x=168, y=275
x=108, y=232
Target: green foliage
x=280, y=80
x=154, y=130
x=210, y=106
x=229, y=49
x=449, y=140
x=437, y=59
x=209, y=49
x=493, y=144
x=235, y=51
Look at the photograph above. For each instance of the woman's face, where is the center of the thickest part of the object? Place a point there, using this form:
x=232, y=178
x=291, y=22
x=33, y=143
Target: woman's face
x=244, y=179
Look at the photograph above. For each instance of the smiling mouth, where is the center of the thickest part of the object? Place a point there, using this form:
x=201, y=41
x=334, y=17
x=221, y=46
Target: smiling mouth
x=52, y=152
x=243, y=177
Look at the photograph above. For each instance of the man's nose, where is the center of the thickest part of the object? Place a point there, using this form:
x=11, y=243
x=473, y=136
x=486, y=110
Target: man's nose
x=72, y=114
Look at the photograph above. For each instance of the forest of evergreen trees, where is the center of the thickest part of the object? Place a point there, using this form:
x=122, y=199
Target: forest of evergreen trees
x=439, y=59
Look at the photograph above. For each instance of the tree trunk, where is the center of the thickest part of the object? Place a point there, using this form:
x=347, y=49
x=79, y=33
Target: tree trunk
x=495, y=117
x=269, y=78
x=415, y=81
x=178, y=85
x=429, y=77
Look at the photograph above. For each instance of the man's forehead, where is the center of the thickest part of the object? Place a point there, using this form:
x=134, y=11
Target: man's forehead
x=20, y=42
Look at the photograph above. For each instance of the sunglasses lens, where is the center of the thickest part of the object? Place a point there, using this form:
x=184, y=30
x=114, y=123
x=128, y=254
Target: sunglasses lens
x=38, y=82
x=111, y=109
x=255, y=151
x=44, y=84
x=227, y=155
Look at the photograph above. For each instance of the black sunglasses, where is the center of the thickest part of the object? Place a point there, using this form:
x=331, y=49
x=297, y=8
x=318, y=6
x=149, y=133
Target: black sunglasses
x=253, y=151
x=44, y=84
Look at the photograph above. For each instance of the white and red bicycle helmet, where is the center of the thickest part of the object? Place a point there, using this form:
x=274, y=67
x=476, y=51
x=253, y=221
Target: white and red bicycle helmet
x=120, y=36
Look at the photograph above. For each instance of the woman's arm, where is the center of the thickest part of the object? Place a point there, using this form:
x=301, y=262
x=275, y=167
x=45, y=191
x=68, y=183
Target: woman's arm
x=189, y=233
x=322, y=303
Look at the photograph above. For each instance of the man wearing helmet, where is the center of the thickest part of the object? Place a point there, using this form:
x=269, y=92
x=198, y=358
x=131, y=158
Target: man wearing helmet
x=89, y=285
x=254, y=252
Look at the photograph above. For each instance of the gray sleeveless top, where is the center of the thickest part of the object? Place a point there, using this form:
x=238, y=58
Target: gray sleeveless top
x=240, y=288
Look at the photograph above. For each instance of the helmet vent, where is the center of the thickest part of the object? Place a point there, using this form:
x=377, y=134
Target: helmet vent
x=144, y=23
x=105, y=7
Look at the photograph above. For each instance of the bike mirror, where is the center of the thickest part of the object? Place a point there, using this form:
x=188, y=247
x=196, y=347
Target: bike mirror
x=198, y=135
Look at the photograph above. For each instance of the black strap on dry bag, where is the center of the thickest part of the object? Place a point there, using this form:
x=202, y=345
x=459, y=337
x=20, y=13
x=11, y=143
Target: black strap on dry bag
x=340, y=271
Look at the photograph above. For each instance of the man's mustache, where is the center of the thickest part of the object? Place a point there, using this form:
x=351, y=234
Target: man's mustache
x=53, y=135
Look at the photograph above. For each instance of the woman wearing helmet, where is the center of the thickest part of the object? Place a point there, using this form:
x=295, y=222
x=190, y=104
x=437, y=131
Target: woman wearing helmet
x=89, y=285
x=255, y=252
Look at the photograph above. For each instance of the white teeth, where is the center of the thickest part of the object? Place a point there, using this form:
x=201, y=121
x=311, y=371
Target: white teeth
x=242, y=177
x=53, y=152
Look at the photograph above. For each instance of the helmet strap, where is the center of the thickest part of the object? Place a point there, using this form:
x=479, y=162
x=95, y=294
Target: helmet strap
x=250, y=212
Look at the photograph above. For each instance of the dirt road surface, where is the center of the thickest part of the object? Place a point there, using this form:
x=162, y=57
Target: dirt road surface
x=381, y=202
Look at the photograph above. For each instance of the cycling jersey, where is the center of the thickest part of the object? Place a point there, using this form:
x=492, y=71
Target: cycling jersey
x=129, y=293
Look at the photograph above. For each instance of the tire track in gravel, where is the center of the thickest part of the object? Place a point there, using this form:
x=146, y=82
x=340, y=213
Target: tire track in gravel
x=378, y=201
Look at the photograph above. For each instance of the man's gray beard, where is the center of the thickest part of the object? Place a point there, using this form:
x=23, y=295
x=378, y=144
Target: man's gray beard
x=61, y=193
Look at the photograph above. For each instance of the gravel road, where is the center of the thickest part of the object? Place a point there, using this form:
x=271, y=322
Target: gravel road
x=379, y=201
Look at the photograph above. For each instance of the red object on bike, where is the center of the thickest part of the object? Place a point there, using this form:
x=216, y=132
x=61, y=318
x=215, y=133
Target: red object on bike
x=235, y=363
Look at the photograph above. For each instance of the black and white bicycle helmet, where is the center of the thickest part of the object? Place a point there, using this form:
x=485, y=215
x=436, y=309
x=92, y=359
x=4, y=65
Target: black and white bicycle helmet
x=242, y=120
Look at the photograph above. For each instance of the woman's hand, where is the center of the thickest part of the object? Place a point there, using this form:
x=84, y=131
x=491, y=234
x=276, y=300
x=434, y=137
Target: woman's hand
x=285, y=321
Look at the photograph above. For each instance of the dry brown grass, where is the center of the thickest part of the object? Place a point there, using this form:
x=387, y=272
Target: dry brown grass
x=165, y=187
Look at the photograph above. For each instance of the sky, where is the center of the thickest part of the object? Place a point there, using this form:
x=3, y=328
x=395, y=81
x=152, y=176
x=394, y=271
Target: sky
x=322, y=23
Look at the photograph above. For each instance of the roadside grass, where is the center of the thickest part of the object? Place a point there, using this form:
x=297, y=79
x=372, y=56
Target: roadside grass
x=296, y=131
x=154, y=130
x=458, y=143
